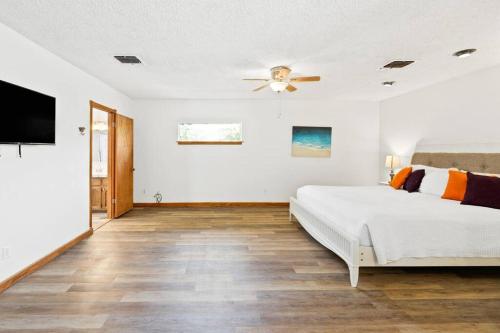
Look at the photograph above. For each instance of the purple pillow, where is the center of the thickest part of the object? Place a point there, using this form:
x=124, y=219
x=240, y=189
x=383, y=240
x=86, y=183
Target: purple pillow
x=412, y=183
x=482, y=191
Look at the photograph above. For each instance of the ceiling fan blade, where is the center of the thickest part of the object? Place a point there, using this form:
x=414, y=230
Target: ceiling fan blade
x=261, y=87
x=305, y=78
x=291, y=88
x=255, y=79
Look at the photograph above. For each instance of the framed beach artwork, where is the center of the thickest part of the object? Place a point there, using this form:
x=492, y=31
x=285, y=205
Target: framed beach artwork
x=311, y=141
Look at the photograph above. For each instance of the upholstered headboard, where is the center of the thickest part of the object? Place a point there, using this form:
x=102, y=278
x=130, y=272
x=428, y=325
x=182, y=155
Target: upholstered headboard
x=476, y=162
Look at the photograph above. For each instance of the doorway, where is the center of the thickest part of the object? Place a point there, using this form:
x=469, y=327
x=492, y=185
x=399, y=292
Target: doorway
x=101, y=164
x=111, y=165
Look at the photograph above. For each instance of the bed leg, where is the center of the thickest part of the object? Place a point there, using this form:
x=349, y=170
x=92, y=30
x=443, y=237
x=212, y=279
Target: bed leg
x=354, y=275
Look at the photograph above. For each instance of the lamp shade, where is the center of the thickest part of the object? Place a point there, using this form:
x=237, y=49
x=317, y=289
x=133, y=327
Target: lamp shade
x=392, y=161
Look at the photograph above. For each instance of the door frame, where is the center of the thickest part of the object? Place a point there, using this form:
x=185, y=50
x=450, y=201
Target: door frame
x=111, y=159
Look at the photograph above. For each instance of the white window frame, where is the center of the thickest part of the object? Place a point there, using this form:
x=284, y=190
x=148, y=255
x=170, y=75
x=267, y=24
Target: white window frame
x=209, y=142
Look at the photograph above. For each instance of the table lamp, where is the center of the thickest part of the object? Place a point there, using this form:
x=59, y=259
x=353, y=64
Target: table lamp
x=392, y=162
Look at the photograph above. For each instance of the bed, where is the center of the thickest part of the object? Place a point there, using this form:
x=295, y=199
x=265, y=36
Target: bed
x=379, y=226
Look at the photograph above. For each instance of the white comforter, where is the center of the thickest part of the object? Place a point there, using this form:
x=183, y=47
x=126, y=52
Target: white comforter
x=399, y=224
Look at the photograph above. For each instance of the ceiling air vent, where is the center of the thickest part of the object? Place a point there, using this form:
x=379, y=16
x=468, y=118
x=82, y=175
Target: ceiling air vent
x=128, y=59
x=399, y=64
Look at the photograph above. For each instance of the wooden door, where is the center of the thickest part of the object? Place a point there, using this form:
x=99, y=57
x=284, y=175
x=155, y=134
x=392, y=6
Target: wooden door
x=124, y=164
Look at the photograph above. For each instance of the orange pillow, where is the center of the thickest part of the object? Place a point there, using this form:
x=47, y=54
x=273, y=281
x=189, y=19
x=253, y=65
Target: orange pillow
x=400, y=178
x=457, y=184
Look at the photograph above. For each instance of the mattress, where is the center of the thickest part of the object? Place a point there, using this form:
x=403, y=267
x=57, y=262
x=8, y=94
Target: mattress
x=399, y=224
x=321, y=201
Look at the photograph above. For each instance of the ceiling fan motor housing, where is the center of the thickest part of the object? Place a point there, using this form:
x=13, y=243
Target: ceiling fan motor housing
x=280, y=73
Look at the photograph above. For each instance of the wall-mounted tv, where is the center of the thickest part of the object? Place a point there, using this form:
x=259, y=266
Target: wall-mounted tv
x=27, y=117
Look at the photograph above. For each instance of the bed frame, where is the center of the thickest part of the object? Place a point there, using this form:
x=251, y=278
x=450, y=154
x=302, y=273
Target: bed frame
x=346, y=245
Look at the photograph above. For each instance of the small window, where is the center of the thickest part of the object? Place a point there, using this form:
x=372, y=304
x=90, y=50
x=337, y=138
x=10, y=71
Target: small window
x=193, y=134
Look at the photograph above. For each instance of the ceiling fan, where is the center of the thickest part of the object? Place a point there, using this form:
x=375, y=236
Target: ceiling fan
x=280, y=81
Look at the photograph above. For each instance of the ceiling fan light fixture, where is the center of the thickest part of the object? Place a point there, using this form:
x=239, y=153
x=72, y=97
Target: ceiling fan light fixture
x=279, y=86
x=281, y=80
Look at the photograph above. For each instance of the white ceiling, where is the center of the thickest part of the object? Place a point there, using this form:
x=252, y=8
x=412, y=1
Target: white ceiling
x=202, y=49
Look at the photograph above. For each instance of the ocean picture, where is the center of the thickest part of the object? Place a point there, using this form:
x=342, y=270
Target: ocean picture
x=311, y=141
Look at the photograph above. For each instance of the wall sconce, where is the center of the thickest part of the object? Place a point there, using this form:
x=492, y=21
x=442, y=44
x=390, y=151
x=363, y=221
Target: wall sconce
x=100, y=126
x=82, y=130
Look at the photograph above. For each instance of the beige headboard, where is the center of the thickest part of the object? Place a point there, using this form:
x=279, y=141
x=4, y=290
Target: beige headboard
x=478, y=162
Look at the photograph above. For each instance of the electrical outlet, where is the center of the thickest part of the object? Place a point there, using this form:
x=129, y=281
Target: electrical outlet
x=5, y=253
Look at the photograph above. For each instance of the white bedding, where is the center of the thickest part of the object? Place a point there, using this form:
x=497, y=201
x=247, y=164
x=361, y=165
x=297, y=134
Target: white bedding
x=399, y=224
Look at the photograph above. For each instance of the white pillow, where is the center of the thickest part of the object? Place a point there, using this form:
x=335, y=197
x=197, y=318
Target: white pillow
x=435, y=181
x=425, y=167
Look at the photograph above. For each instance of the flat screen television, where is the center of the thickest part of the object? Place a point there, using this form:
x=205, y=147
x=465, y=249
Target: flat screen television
x=27, y=117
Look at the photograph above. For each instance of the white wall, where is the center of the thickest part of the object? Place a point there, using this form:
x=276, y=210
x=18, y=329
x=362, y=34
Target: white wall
x=462, y=110
x=261, y=169
x=44, y=197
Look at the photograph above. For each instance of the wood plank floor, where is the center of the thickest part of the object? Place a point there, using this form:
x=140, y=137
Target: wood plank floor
x=237, y=270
